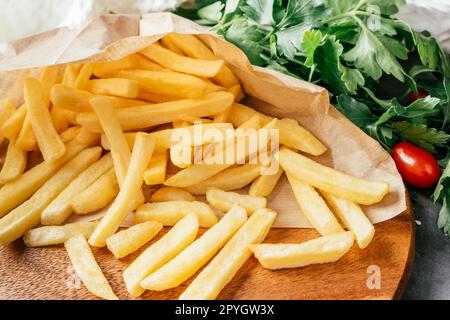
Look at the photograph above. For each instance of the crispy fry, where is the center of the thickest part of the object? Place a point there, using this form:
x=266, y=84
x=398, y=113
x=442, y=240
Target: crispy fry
x=159, y=253
x=15, y=192
x=12, y=126
x=332, y=181
x=165, y=83
x=28, y=214
x=171, y=194
x=321, y=250
x=7, y=110
x=230, y=179
x=97, y=196
x=50, y=144
x=59, y=210
x=49, y=76
x=291, y=134
x=224, y=201
x=314, y=207
x=124, y=88
x=191, y=259
x=125, y=201
x=84, y=75
x=237, y=92
x=171, y=60
x=141, y=62
x=120, y=150
x=155, y=97
x=26, y=139
x=15, y=163
x=129, y=240
x=171, y=46
x=70, y=74
x=107, y=68
x=264, y=184
x=61, y=118
x=195, y=48
x=157, y=167
x=219, y=272
x=51, y=235
x=353, y=218
x=69, y=134
x=170, y=212
x=87, y=268
x=139, y=117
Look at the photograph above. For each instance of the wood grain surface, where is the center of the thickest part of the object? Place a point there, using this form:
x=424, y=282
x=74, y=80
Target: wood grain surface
x=46, y=273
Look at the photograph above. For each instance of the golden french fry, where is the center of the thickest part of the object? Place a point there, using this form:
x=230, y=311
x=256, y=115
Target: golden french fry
x=155, y=97
x=15, y=163
x=165, y=83
x=49, y=76
x=195, y=48
x=98, y=195
x=119, y=87
x=59, y=210
x=145, y=116
x=170, y=212
x=165, y=41
x=51, y=235
x=70, y=74
x=60, y=118
x=15, y=192
x=83, y=77
x=50, y=144
x=325, y=249
x=314, y=207
x=264, y=184
x=291, y=134
x=26, y=139
x=159, y=253
x=125, y=201
x=120, y=150
x=353, y=218
x=141, y=62
x=7, y=110
x=156, y=170
x=69, y=134
x=223, y=116
x=224, y=200
x=191, y=259
x=219, y=272
x=171, y=194
x=87, y=268
x=107, y=68
x=28, y=214
x=332, y=181
x=129, y=240
x=12, y=126
x=173, y=61
x=237, y=92
x=71, y=99
x=230, y=179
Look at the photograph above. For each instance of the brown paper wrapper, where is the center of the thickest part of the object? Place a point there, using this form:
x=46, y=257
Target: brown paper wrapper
x=114, y=36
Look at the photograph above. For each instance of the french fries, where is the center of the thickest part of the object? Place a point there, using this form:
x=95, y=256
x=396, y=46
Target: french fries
x=171, y=194
x=15, y=163
x=28, y=214
x=129, y=240
x=230, y=179
x=170, y=212
x=211, y=280
x=97, y=196
x=325, y=249
x=59, y=210
x=353, y=218
x=49, y=76
x=173, y=61
x=145, y=116
x=191, y=259
x=82, y=79
x=87, y=268
x=161, y=252
x=50, y=144
x=332, y=181
x=264, y=184
x=106, y=68
x=26, y=139
x=156, y=171
x=125, y=201
x=224, y=201
x=124, y=88
x=7, y=110
x=69, y=134
x=52, y=235
x=13, y=124
x=314, y=207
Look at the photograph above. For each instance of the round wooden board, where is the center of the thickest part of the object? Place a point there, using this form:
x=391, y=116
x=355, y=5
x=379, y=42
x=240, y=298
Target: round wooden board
x=46, y=273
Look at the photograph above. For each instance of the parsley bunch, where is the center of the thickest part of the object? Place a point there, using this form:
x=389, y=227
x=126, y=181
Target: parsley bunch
x=359, y=52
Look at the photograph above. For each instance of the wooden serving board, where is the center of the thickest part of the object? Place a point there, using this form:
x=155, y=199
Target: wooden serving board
x=46, y=273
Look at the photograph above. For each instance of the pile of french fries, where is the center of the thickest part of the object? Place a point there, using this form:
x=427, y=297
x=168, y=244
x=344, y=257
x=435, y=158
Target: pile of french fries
x=97, y=136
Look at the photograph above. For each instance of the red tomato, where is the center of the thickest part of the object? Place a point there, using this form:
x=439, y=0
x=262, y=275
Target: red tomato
x=416, y=165
x=413, y=96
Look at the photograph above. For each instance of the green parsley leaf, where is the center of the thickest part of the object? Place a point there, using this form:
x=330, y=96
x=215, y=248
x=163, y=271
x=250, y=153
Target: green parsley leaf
x=309, y=12
x=358, y=112
x=311, y=41
x=289, y=40
x=212, y=12
x=327, y=57
x=428, y=50
x=444, y=215
x=352, y=78
x=260, y=11
x=421, y=135
x=443, y=184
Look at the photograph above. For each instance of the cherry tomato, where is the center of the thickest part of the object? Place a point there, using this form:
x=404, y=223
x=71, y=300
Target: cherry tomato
x=413, y=96
x=416, y=165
